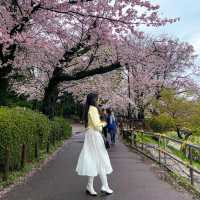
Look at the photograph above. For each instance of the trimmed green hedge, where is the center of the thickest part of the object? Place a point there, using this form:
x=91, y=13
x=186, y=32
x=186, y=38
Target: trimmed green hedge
x=59, y=125
x=22, y=126
x=60, y=129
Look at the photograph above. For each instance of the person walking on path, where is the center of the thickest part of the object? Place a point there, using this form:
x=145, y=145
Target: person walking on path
x=111, y=125
x=94, y=159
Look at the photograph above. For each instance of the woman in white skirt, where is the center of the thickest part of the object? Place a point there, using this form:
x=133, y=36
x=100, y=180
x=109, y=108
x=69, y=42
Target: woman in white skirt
x=93, y=159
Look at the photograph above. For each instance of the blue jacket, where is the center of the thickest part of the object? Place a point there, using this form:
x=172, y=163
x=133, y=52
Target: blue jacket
x=111, y=123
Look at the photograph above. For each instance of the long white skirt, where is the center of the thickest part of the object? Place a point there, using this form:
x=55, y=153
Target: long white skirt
x=93, y=158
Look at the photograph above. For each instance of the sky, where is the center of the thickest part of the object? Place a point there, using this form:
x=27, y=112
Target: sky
x=188, y=28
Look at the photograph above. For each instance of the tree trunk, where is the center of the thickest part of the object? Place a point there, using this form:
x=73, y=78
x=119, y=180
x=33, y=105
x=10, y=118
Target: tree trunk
x=52, y=91
x=141, y=116
x=5, y=70
x=3, y=90
x=51, y=94
x=4, y=83
x=50, y=97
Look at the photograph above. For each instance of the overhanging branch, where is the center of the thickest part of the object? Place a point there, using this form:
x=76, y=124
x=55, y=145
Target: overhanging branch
x=88, y=73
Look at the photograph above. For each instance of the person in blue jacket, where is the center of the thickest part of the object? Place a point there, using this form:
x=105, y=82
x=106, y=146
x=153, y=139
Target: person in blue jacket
x=111, y=125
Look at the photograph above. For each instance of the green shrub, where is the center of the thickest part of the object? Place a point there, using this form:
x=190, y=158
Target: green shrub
x=20, y=126
x=60, y=128
x=161, y=123
x=10, y=135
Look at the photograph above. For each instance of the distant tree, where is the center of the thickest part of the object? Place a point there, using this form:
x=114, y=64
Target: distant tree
x=180, y=108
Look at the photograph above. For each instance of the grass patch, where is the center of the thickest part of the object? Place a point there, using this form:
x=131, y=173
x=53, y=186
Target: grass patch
x=183, y=157
x=146, y=139
x=149, y=140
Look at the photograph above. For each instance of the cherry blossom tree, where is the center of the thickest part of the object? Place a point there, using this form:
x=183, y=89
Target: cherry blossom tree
x=151, y=67
x=154, y=64
x=63, y=31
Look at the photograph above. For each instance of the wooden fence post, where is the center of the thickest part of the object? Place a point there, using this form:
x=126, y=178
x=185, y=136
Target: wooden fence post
x=48, y=144
x=53, y=137
x=159, y=153
x=36, y=150
x=6, y=163
x=191, y=170
x=23, y=155
x=142, y=140
x=165, y=146
x=132, y=135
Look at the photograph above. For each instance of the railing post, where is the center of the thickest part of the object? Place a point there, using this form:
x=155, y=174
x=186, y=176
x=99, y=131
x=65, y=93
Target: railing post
x=122, y=128
x=165, y=145
x=191, y=170
x=159, y=154
x=142, y=133
x=132, y=138
x=135, y=139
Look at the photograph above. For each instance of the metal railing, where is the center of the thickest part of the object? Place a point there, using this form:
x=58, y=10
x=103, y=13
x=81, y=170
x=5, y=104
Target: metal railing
x=161, y=146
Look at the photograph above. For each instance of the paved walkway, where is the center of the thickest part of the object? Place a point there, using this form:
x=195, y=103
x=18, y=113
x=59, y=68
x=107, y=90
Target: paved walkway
x=132, y=179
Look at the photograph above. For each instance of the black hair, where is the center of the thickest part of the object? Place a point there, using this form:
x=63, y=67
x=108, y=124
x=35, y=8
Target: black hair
x=90, y=101
x=108, y=110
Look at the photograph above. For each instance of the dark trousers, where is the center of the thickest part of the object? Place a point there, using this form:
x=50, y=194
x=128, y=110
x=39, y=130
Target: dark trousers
x=113, y=135
x=105, y=132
